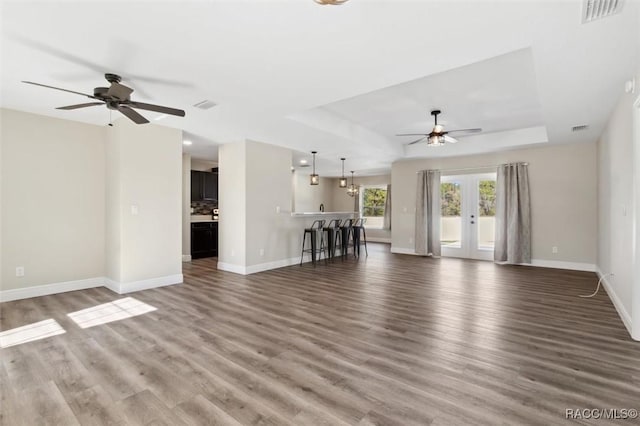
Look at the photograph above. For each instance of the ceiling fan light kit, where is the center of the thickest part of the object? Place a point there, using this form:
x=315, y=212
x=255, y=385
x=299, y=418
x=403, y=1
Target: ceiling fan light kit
x=331, y=2
x=116, y=97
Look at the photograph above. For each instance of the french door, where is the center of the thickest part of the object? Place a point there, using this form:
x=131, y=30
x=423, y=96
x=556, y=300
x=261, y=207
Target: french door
x=467, y=223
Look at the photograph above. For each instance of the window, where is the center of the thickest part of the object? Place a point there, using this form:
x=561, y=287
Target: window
x=372, y=205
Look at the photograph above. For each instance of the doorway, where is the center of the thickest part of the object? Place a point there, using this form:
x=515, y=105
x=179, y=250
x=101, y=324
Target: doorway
x=468, y=209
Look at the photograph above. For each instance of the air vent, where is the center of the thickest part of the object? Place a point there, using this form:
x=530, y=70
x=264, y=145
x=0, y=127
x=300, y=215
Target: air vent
x=205, y=104
x=580, y=127
x=598, y=9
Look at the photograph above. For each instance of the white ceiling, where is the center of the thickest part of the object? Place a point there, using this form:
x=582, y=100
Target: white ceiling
x=341, y=80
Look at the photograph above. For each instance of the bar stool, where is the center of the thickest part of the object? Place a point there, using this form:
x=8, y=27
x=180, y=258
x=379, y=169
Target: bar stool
x=360, y=236
x=333, y=236
x=316, y=228
x=346, y=234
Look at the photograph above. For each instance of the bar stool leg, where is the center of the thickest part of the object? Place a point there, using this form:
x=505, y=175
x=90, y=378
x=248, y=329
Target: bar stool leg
x=313, y=247
x=304, y=238
x=364, y=240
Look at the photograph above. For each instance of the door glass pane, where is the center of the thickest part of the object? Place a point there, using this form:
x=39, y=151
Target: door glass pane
x=451, y=219
x=486, y=213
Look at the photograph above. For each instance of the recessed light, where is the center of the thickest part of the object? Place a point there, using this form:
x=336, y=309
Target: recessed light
x=187, y=143
x=303, y=161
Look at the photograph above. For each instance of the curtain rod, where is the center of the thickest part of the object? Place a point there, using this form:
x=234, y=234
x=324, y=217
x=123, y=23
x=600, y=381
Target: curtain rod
x=472, y=168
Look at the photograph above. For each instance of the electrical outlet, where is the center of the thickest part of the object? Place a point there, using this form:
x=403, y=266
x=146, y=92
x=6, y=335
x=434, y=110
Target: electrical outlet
x=20, y=271
x=277, y=209
x=134, y=210
x=554, y=250
x=261, y=252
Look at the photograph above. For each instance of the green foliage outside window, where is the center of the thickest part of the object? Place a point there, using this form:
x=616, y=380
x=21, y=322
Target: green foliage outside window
x=487, y=198
x=451, y=198
x=373, y=200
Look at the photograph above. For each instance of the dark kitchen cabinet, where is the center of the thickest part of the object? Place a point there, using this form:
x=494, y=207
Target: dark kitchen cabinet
x=204, y=185
x=204, y=239
x=210, y=189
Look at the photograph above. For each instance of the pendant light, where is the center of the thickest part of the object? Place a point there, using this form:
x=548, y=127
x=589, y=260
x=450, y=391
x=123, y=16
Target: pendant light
x=343, y=180
x=315, y=179
x=352, y=191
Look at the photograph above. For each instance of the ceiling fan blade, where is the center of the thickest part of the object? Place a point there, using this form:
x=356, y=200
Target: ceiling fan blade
x=157, y=108
x=81, y=105
x=417, y=140
x=449, y=139
x=132, y=115
x=119, y=91
x=57, y=88
x=476, y=130
x=413, y=134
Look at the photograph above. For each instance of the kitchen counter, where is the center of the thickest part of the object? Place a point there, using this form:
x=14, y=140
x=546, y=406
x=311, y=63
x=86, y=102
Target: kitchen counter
x=311, y=214
x=197, y=218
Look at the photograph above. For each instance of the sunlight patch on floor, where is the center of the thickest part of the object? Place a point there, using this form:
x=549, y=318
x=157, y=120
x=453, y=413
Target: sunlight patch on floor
x=30, y=333
x=109, y=312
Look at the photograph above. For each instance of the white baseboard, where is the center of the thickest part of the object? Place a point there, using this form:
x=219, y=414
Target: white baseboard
x=379, y=240
x=116, y=287
x=402, y=250
x=252, y=269
x=231, y=267
x=541, y=263
x=122, y=288
x=617, y=303
x=558, y=264
x=46, y=289
x=186, y=258
x=272, y=265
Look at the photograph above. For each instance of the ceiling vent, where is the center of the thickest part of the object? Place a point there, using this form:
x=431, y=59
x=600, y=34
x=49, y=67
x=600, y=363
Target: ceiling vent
x=580, y=127
x=205, y=104
x=597, y=9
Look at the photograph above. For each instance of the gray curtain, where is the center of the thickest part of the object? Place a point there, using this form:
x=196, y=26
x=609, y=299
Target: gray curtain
x=428, y=213
x=513, y=214
x=387, y=209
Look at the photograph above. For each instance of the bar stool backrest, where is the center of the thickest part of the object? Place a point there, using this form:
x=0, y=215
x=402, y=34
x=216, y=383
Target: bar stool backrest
x=334, y=223
x=347, y=223
x=318, y=224
x=359, y=222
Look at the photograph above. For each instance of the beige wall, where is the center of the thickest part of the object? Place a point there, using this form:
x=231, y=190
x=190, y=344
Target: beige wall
x=256, y=190
x=202, y=165
x=615, y=206
x=343, y=202
x=563, y=198
x=186, y=206
x=232, y=200
x=53, y=200
x=307, y=197
x=272, y=232
x=146, y=173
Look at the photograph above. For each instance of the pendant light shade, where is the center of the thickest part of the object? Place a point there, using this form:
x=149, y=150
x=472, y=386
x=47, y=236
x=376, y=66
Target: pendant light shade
x=343, y=180
x=315, y=179
x=352, y=191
